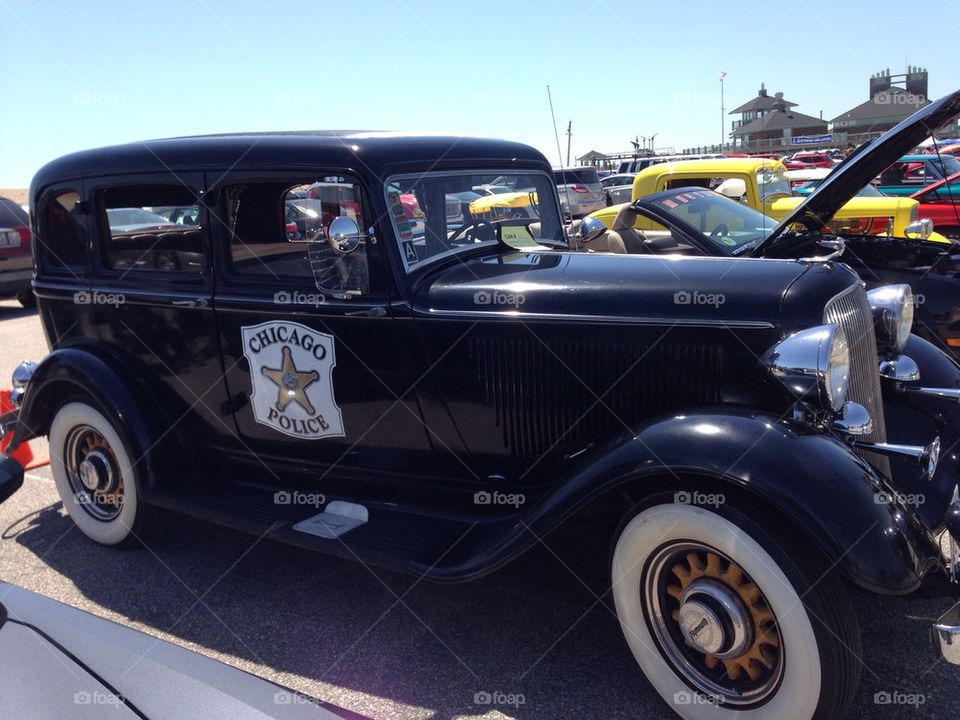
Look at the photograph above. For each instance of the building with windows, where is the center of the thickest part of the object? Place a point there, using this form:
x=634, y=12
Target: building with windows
x=892, y=99
x=771, y=124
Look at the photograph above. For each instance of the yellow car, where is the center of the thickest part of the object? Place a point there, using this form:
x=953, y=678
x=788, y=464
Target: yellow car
x=501, y=206
x=762, y=184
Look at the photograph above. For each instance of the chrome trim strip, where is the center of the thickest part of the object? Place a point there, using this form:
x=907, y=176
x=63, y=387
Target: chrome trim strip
x=663, y=322
x=942, y=393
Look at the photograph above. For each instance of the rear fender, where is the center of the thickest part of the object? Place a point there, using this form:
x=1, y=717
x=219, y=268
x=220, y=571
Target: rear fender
x=117, y=393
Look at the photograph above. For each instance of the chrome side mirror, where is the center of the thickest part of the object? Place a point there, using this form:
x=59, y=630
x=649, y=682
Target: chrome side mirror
x=344, y=235
x=590, y=229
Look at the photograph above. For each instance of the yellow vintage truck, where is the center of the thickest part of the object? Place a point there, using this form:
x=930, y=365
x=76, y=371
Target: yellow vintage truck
x=762, y=184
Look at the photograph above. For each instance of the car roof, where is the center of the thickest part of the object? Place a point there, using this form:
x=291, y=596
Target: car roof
x=360, y=150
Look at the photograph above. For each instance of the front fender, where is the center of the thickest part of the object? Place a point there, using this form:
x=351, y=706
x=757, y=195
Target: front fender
x=115, y=389
x=815, y=480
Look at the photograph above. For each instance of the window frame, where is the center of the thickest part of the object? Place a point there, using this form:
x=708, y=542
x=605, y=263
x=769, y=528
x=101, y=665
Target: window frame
x=101, y=227
x=378, y=277
x=41, y=251
x=433, y=259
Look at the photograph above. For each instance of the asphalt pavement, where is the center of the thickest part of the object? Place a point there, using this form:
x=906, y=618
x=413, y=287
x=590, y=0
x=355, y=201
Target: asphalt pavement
x=531, y=641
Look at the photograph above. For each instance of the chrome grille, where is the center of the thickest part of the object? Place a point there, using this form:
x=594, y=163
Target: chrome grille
x=851, y=311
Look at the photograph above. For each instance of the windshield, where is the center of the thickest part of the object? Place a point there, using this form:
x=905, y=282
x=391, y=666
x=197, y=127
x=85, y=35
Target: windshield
x=772, y=182
x=434, y=216
x=950, y=164
x=728, y=224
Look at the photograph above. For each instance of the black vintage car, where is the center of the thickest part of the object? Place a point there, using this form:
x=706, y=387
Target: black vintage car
x=436, y=401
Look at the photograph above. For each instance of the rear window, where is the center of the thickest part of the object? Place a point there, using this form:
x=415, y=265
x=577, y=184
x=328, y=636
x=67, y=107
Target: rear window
x=586, y=176
x=62, y=241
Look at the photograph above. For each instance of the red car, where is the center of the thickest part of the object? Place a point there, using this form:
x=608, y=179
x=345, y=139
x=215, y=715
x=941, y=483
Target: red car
x=941, y=207
x=804, y=160
x=16, y=254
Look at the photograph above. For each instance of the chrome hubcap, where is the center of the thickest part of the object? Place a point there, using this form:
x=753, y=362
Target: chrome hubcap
x=714, y=620
x=713, y=624
x=92, y=471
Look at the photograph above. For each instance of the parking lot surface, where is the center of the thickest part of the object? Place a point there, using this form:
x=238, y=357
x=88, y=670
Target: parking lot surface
x=535, y=640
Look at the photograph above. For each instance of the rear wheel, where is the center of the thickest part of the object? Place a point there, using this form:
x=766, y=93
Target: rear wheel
x=94, y=475
x=27, y=299
x=725, y=623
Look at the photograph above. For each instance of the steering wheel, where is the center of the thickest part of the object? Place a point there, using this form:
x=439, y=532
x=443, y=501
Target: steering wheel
x=719, y=230
x=469, y=232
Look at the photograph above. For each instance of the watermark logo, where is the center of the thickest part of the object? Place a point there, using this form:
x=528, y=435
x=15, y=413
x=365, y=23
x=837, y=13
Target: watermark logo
x=885, y=497
x=98, y=298
x=484, y=497
x=497, y=297
x=87, y=97
x=292, y=697
x=696, y=99
x=692, y=497
x=900, y=98
x=497, y=697
x=294, y=98
x=693, y=297
x=885, y=697
x=295, y=297
x=98, y=498
x=498, y=99
x=97, y=697
x=284, y=497
x=688, y=697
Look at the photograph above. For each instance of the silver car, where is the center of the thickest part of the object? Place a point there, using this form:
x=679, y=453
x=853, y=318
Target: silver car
x=580, y=191
x=617, y=188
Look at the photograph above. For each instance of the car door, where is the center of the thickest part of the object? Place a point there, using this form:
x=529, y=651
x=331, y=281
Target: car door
x=320, y=367
x=150, y=299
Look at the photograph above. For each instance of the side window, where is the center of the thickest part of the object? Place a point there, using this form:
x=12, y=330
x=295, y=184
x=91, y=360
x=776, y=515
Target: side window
x=282, y=231
x=151, y=228
x=62, y=240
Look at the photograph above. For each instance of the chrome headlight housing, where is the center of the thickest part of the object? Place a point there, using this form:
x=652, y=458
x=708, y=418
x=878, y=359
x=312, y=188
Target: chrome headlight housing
x=892, y=308
x=813, y=365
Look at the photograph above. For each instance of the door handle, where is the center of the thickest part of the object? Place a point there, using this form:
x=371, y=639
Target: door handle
x=376, y=311
x=200, y=302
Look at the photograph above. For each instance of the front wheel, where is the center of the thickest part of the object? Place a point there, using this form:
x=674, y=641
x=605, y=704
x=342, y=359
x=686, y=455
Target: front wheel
x=95, y=475
x=725, y=623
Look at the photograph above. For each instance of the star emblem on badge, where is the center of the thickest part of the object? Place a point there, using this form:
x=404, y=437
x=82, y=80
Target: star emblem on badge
x=292, y=383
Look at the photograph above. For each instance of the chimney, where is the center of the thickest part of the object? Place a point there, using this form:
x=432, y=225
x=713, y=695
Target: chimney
x=763, y=91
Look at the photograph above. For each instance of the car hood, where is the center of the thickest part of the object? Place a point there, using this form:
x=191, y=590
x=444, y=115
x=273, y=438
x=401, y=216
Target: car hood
x=630, y=289
x=865, y=164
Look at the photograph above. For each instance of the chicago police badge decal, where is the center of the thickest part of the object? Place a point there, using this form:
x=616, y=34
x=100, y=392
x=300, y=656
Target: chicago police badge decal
x=291, y=370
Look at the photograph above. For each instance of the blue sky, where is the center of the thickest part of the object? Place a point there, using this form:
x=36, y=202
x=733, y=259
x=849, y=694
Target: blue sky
x=80, y=75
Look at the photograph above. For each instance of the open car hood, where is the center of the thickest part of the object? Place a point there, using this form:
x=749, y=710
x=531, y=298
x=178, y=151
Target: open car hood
x=869, y=160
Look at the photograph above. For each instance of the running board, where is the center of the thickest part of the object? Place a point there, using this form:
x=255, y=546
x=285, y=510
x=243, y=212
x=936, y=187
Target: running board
x=383, y=534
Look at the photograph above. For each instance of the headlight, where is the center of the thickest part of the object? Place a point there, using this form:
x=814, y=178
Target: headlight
x=814, y=365
x=892, y=308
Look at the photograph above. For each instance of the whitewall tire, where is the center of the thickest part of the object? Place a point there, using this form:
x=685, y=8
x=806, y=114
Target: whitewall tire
x=724, y=626
x=94, y=474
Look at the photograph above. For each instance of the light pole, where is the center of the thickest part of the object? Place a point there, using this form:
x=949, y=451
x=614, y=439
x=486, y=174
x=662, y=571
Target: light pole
x=652, y=151
x=723, y=120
